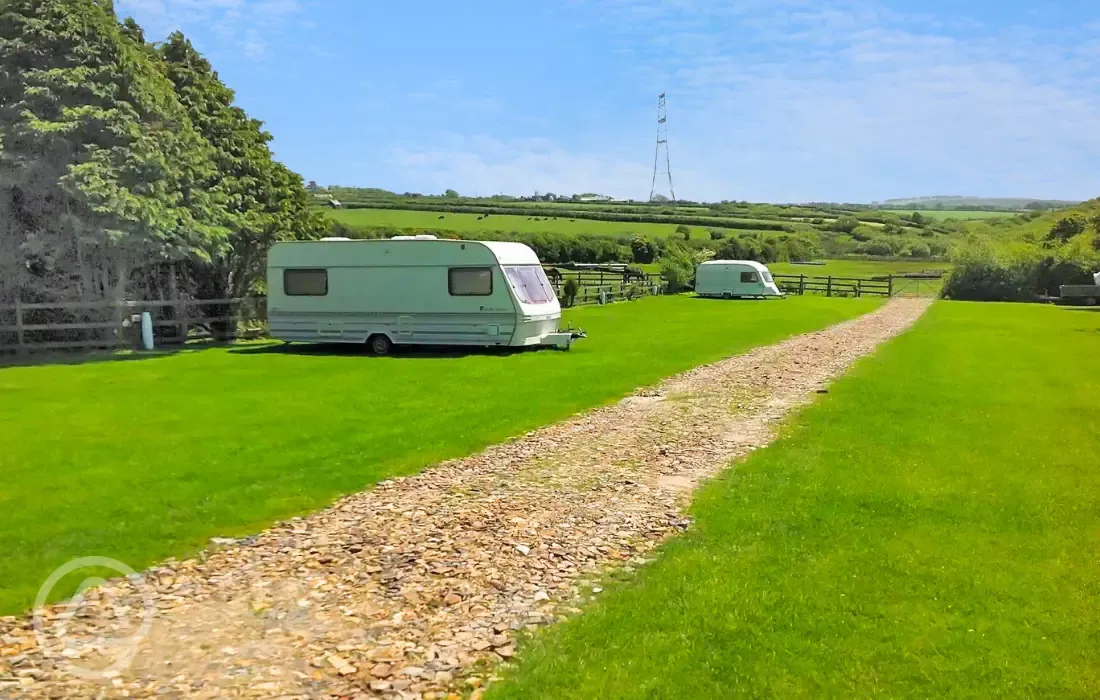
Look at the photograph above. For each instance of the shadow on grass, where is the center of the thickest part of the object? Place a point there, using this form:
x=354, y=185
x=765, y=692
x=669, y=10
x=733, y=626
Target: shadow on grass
x=762, y=298
x=260, y=347
x=83, y=356
x=361, y=350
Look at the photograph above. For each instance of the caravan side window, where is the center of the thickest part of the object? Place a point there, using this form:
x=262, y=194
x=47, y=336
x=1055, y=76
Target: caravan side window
x=305, y=283
x=470, y=281
x=748, y=277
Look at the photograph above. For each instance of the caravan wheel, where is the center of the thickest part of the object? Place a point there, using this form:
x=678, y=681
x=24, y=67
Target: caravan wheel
x=380, y=344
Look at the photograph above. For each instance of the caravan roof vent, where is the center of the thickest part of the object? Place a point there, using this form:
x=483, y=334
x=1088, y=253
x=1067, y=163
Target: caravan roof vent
x=424, y=237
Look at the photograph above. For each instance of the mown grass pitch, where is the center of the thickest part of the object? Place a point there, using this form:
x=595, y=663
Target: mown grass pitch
x=148, y=458
x=928, y=529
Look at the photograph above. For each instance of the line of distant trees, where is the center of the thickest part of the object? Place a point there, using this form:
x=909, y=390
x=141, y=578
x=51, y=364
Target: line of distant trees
x=578, y=214
x=558, y=247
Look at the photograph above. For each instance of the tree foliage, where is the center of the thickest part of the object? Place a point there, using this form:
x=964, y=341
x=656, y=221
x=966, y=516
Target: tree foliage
x=678, y=269
x=120, y=160
x=642, y=249
x=1066, y=228
x=845, y=224
x=264, y=201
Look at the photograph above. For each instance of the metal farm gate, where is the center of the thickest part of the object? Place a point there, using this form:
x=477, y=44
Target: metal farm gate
x=921, y=285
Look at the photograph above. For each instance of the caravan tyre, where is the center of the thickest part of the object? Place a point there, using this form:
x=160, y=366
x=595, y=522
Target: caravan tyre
x=380, y=344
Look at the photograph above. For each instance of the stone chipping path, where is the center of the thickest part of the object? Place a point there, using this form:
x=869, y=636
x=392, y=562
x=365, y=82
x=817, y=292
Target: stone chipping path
x=417, y=588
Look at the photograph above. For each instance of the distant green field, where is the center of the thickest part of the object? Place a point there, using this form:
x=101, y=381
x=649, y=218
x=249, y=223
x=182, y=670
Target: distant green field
x=469, y=223
x=950, y=214
x=841, y=268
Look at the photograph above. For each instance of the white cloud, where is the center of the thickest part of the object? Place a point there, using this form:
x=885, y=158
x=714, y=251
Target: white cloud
x=484, y=165
x=794, y=100
x=245, y=25
x=877, y=96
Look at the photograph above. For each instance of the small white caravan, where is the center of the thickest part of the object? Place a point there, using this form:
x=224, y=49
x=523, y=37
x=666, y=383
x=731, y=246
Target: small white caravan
x=731, y=279
x=416, y=290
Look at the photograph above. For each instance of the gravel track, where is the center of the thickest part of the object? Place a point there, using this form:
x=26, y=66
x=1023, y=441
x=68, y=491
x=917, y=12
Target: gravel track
x=417, y=588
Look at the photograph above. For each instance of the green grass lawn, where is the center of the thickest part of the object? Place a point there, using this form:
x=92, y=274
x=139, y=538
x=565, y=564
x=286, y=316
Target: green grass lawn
x=469, y=223
x=147, y=458
x=930, y=528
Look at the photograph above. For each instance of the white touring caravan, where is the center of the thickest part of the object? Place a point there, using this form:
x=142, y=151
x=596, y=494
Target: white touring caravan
x=416, y=290
x=731, y=279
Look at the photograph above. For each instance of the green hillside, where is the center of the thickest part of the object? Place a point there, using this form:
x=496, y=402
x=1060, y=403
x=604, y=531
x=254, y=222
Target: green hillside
x=575, y=230
x=978, y=203
x=769, y=231
x=1036, y=227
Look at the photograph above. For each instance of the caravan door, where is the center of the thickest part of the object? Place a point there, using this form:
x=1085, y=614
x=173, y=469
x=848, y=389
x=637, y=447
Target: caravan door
x=750, y=282
x=404, y=328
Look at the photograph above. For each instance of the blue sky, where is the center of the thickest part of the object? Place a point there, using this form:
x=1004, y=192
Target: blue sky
x=769, y=100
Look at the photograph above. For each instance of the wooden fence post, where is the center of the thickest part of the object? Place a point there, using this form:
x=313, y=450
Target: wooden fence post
x=890, y=287
x=181, y=317
x=22, y=349
x=180, y=309
x=829, y=288
x=801, y=285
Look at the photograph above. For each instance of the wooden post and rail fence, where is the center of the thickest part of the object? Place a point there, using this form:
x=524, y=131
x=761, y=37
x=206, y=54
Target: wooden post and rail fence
x=105, y=325
x=110, y=325
x=913, y=284
x=603, y=286
x=835, y=286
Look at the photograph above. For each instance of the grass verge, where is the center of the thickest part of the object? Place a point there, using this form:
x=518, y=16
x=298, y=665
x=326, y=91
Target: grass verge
x=144, y=459
x=928, y=529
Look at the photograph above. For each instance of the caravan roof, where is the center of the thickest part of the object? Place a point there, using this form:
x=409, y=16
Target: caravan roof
x=759, y=267
x=511, y=253
x=405, y=250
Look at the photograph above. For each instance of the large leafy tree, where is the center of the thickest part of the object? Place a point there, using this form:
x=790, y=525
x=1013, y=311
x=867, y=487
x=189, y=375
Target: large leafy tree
x=265, y=201
x=118, y=157
x=101, y=170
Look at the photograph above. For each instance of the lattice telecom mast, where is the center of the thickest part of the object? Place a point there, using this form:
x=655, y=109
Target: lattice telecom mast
x=662, y=140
